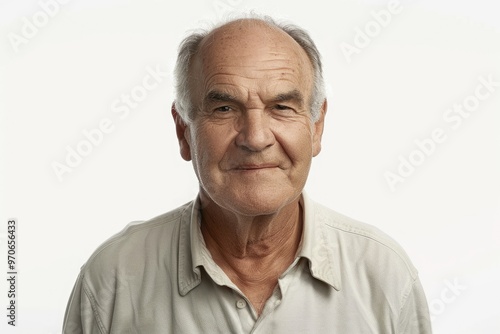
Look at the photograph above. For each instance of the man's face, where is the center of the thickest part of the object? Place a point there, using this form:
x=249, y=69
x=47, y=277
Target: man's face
x=252, y=139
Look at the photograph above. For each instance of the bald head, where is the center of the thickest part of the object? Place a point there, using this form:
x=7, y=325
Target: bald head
x=245, y=43
x=247, y=31
x=246, y=49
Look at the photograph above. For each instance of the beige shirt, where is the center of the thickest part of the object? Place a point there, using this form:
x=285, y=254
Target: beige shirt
x=158, y=277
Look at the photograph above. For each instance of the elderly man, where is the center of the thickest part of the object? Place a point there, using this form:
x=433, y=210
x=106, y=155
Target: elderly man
x=252, y=254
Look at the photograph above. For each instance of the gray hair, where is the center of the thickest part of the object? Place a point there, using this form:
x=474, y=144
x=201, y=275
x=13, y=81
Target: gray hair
x=190, y=45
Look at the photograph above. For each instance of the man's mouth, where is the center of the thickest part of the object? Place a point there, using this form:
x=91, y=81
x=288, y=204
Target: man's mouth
x=255, y=166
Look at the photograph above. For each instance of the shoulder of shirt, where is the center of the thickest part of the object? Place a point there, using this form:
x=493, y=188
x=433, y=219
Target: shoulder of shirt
x=129, y=239
x=345, y=227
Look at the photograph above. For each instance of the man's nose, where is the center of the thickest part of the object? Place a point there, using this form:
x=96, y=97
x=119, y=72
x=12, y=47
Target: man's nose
x=255, y=131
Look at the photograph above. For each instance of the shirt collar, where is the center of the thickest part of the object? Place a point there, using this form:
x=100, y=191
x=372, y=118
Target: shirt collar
x=315, y=247
x=189, y=275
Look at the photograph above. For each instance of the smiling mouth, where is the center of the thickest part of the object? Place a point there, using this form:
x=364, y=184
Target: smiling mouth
x=254, y=167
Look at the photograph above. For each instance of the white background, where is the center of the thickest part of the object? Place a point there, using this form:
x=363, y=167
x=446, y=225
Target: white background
x=65, y=79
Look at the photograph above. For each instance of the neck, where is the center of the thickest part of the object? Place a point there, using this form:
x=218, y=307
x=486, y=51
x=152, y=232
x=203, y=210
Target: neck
x=252, y=237
x=253, y=251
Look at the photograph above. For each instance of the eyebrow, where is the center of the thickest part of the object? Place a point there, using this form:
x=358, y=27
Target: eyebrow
x=293, y=95
x=218, y=96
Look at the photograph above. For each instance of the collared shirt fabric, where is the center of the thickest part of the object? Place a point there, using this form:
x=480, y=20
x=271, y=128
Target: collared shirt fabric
x=159, y=277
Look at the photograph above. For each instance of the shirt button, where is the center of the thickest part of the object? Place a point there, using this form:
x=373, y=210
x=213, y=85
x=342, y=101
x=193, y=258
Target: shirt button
x=241, y=303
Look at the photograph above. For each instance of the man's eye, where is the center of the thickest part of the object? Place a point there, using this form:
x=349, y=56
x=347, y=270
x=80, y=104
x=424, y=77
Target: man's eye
x=282, y=107
x=223, y=109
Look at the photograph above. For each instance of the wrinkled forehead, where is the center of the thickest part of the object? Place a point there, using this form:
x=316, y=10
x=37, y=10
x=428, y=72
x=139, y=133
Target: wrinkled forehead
x=250, y=43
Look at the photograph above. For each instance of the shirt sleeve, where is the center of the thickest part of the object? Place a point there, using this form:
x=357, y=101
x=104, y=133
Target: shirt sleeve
x=79, y=317
x=414, y=317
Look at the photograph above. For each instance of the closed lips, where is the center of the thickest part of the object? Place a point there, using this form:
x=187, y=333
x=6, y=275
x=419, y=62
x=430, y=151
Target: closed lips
x=250, y=167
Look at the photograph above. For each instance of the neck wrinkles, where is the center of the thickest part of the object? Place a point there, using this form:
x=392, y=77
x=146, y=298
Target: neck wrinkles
x=243, y=237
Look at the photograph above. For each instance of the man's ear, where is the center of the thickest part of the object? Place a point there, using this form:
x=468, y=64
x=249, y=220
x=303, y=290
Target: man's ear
x=318, y=129
x=180, y=128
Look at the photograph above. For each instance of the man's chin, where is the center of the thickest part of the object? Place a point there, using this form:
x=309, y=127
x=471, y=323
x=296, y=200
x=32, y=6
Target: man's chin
x=256, y=203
